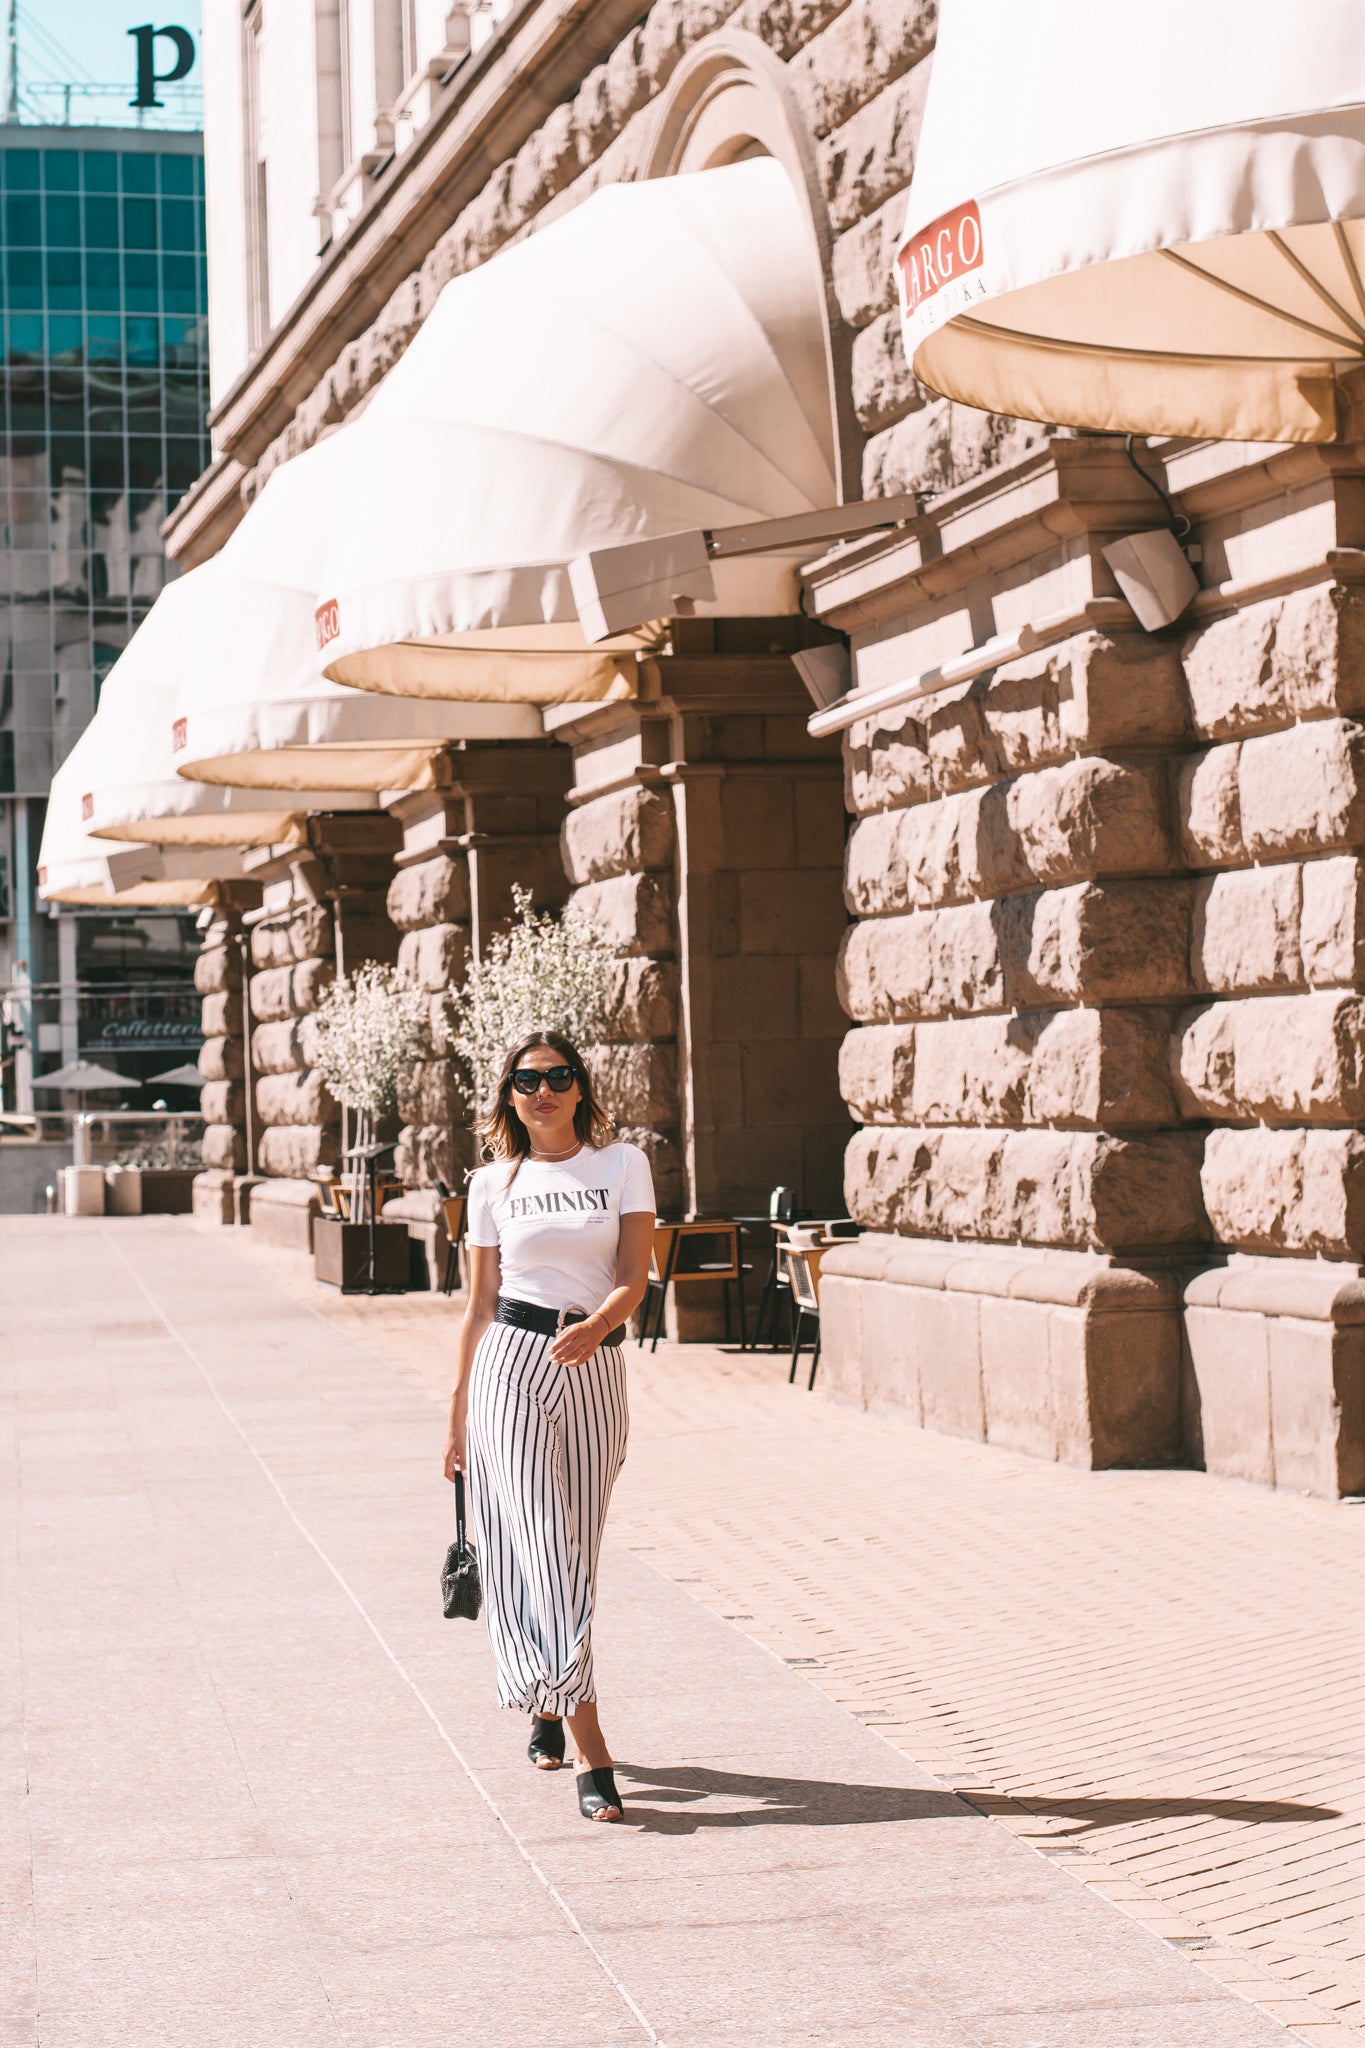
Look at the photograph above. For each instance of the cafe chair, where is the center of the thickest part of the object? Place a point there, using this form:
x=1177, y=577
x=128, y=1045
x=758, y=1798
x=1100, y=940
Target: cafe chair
x=684, y=1254
x=803, y=1277
x=334, y=1198
x=775, y=1295
x=454, y=1210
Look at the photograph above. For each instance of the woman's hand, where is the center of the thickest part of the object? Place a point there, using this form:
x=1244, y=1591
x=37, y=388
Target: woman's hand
x=455, y=1437
x=576, y=1342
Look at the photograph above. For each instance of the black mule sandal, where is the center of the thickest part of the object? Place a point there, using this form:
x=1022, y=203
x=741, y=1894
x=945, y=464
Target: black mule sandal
x=546, y=1747
x=596, y=1792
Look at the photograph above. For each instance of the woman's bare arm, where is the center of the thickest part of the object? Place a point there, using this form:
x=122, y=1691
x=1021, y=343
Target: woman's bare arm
x=485, y=1278
x=578, y=1342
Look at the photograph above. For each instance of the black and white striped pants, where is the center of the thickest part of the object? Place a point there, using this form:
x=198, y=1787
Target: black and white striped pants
x=544, y=1445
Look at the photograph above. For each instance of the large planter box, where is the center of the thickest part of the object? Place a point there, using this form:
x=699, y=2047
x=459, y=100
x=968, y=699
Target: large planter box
x=150, y=1190
x=341, y=1255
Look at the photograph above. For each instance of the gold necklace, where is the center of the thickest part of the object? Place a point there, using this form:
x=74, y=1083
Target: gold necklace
x=577, y=1146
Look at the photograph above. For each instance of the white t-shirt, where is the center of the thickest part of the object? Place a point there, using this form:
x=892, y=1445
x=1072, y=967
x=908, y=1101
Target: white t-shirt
x=558, y=1227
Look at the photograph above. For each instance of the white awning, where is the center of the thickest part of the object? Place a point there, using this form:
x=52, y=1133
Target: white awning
x=651, y=363
x=75, y=868
x=133, y=790
x=253, y=708
x=1144, y=218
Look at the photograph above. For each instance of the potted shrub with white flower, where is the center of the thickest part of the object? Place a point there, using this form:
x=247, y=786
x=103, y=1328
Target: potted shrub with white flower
x=369, y=1031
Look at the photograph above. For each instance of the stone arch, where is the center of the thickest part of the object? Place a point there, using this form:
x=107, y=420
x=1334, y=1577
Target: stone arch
x=731, y=98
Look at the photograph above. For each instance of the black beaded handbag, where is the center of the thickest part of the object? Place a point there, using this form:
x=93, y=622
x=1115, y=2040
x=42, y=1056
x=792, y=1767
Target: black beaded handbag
x=461, y=1593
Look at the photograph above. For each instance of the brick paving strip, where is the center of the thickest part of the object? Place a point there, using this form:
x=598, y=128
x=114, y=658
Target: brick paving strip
x=254, y=1791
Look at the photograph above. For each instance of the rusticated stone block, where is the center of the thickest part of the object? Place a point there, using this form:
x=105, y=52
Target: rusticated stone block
x=436, y=956
x=886, y=765
x=221, y=1014
x=632, y=912
x=1303, y=791
x=943, y=445
x=1095, y=942
x=432, y=1152
x=1078, y=1188
x=221, y=1059
x=225, y=1148
x=1332, y=925
x=279, y=1048
x=873, y=154
x=302, y=1098
x=223, y=1102
x=863, y=263
x=279, y=992
x=643, y=1001
x=1297, y=656
x=868, y=45
x=665, y=1165
x=365, y=932
x=217, y=970
x=294, y=1151
x=1287, y=1191
x=1246, y=931
x=434, y=891
x=1275, y=1059
x=1057, y=1067
x=636, y=1084
x=623, y=833
x=1089, y=817
x=432, y=1094
x=308, y=935
x=876, y=1070
x=1208, y=800
x=885, y=389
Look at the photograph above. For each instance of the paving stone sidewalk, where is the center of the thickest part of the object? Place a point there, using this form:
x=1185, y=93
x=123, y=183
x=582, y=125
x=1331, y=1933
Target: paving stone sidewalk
x=1156, y=1678
x=254, y=1790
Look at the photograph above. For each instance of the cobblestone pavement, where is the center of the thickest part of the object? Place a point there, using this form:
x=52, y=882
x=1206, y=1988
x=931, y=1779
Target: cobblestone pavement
x=1155, y=1678
x=254, y=1793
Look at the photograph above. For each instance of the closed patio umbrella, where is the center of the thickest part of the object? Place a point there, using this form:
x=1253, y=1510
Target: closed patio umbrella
x=1143, y=218
x=254, y=708
x=651, y=363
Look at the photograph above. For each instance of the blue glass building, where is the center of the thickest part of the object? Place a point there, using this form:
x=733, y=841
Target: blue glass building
x=105, y=392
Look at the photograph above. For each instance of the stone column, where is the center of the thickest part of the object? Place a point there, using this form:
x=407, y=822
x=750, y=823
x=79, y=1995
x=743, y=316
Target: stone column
x=492, y=822
x=218, y=976
x=324, y=915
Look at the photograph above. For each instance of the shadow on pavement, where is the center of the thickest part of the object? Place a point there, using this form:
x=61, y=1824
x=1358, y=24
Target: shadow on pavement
x=773, y=1802
x=1118, y=1813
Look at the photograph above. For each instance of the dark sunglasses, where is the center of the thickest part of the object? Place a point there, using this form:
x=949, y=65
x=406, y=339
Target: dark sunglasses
x=527, y=1080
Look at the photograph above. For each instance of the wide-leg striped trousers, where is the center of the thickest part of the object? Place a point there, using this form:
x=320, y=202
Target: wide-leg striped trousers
x=544, y=1445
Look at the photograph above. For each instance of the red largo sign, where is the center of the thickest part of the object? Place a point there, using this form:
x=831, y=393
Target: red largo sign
x=328, y=623
x=936, y=261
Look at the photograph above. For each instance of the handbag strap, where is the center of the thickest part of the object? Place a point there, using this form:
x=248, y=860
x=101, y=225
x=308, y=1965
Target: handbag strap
x=459, y=1509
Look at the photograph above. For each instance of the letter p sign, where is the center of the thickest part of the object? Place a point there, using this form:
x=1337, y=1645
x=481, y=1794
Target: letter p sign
x=148, y=77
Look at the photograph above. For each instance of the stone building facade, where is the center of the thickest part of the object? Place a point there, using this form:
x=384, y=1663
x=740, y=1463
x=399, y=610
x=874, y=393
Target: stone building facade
x=1093, y=915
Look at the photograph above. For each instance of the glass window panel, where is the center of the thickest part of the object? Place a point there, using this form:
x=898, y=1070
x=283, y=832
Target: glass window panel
x=108, y=463
x=143, y=340
x=23, y=220
x=66, y=338
x=181, y=287
x=184, y=460
x=24, y=333
x=66, y=411
x=184, y=343
x=99, y=170
x=139, y=283
x=179, y=225
x=101, y=222
x=139, y=173
x=21, y=169
x=23, y=278
x=63, y=216
x=177, y=174
x=66, y=459
x=184, y=396
x=28, y=403
x=61, y=170
x=102, y=289
x=144, y=463
x=64, y=280
x=103, y=339
x=139, y=224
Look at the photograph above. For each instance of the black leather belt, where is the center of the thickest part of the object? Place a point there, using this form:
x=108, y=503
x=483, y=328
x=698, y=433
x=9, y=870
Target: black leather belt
x=529, y=1315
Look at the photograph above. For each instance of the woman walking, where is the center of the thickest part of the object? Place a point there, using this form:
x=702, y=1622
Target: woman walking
x=559, y=1231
